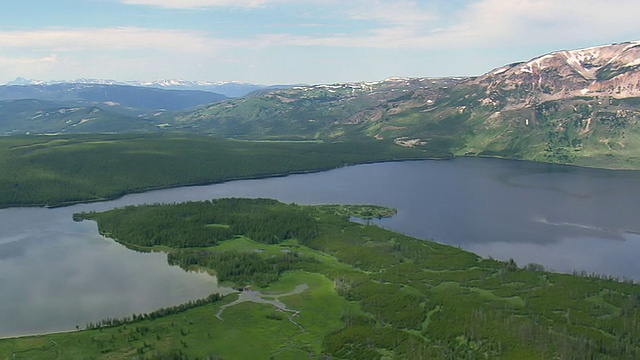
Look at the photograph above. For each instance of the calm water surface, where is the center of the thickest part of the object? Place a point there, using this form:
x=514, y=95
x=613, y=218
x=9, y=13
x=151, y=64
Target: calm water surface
x=56, y=274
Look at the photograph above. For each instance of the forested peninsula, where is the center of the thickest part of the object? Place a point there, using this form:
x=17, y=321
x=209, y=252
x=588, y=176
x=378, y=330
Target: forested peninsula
x=313, y=284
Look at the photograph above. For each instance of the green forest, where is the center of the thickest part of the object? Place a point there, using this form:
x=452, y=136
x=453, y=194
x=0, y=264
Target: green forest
x=364, y=293
x=66, y=169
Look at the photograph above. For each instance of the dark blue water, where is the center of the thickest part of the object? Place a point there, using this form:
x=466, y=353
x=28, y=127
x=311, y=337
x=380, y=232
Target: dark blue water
x=55, y=274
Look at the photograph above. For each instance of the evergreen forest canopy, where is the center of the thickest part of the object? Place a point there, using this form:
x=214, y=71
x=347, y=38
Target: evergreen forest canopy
x=66, y=169
x=364, y=293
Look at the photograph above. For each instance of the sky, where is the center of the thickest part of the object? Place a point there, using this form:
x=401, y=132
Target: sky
x=295, y=41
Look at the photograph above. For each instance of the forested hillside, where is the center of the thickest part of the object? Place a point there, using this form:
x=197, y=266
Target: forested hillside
x=59, y=170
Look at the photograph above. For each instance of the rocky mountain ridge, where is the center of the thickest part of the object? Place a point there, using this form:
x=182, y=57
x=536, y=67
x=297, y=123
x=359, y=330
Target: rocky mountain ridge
x=609, y=70
x=572, y=106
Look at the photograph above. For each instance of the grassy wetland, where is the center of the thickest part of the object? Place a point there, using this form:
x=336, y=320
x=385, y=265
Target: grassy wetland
x=346, y=290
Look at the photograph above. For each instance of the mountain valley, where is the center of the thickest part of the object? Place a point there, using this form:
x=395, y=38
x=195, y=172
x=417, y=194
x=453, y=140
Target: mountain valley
x=578, y=106
x=327, y=281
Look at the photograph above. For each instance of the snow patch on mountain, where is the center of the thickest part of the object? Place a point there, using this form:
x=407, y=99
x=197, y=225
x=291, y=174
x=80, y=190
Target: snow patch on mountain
x=608, y=70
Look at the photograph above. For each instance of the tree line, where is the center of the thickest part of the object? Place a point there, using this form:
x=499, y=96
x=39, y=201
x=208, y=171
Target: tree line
x=162, y=312
x=65, y=169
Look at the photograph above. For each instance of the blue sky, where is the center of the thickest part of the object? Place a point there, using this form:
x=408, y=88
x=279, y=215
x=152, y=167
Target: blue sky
x=295, y=41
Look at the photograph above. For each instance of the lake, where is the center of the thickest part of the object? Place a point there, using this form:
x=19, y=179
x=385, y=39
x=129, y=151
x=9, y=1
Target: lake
x=56, y=274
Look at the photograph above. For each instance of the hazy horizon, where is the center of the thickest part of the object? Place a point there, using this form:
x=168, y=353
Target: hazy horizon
x=289, y=42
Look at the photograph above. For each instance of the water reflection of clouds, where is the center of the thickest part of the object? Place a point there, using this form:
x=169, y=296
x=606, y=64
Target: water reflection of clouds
x=64, y=280
x=591, y=255
x=14, y=249
x=573, y=230
x=571, y=186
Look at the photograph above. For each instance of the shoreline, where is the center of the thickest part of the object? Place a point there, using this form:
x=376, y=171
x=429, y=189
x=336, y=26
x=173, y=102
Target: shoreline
x=9, y=337
x=301, y=172
x=207, y=183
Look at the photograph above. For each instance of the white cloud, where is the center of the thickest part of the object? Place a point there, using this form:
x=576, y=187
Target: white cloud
x=481, y=24
x=123, y=53
x=199, y=4
x=429, y=25
x=477, y=28
x=27, y=61
x=522, y=22
x=64, y=40
x=10, y=67
x=393, y=12
x=385, y=25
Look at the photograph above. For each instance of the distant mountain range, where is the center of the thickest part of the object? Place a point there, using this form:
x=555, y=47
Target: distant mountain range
x=228, y=89
x=31, y=116
x=134, y=97
x=577, y=106
x=90, y=107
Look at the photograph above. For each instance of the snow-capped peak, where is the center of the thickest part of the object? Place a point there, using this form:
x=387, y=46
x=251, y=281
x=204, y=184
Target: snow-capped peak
x=168, y=83
x=156, y=83
x=23, y=81
x=592, y=71
x=589, y=63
